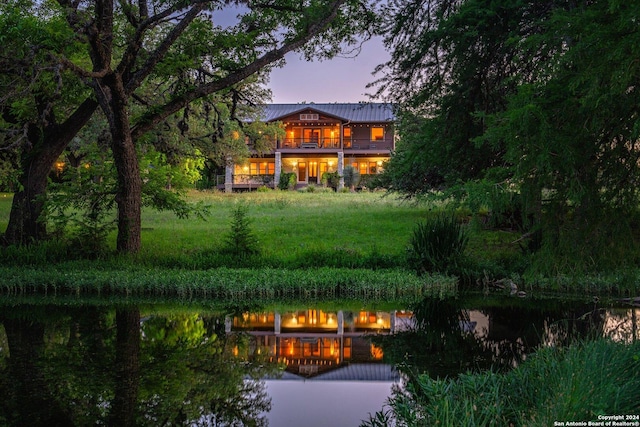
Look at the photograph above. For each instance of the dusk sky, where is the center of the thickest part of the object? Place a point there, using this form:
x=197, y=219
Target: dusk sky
x=337, y=80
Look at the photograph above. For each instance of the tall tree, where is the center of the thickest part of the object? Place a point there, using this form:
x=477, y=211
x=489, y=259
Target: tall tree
x=177, y=40
x=533, y=101
x=42, y=106
x=572, y=133
x=452, y=63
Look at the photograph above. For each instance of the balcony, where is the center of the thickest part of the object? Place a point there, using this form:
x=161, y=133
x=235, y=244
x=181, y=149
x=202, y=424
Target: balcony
x=334, y=144
x=330, y=143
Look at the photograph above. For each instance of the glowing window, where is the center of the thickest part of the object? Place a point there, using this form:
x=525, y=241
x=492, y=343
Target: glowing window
x=377, y=134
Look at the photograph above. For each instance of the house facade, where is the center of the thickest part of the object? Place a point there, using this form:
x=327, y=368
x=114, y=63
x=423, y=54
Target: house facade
x=319, y=138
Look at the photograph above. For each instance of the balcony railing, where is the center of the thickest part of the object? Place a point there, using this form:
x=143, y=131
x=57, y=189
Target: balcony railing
x=310, y=143
x=253, y=180
x=334, y=143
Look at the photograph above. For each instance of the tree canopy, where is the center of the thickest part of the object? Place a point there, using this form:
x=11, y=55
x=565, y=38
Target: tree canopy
x=149, y=60
x=535, y=102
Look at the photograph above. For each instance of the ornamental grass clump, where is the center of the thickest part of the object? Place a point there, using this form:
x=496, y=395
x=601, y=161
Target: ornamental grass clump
x=437, y=245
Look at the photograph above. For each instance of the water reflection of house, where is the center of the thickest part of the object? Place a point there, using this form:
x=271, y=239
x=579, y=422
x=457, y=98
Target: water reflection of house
x=321, y=344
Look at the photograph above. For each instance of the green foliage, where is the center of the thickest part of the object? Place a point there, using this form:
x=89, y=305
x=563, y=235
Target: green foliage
x=287, y=180
x=241, y=240
x=527, y=109
x=437, y=244
x=163, y=184
x=81, y=206
x=330, y=179
x=496, y=204
x=351, y=177
x=578, y=383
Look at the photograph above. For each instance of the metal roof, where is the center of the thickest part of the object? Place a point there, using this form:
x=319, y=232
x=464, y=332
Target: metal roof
x=363, y=112
x=350, y=372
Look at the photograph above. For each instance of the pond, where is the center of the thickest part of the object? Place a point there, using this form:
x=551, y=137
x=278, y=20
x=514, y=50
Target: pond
x=154, y=363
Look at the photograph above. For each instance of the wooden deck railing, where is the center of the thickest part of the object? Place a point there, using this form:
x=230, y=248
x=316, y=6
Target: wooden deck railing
x=332, y=143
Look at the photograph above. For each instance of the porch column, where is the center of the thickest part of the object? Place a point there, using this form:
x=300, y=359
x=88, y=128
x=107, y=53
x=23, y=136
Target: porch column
x=276, y=176
x=341, y=169
x=392, y=322
x=228, y=176
x=340, y=323
x=277, y=322
x=228, y=324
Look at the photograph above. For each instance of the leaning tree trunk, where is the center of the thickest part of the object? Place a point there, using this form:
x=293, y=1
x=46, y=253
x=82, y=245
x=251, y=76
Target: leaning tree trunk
x=25, y=225
x=47, y=144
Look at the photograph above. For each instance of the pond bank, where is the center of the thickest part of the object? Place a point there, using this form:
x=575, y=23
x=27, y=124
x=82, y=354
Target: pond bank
x=245, y=284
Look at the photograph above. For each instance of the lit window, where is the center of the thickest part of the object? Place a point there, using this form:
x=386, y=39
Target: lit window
x=377, y=134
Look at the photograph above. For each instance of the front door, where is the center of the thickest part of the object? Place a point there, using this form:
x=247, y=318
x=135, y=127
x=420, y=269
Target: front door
x=313, y=172
x=302, y=172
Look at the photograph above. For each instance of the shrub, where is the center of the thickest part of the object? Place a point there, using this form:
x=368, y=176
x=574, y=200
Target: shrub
x=351, y=177
x=330, y=179
x=287, y=181
x=241, y=241
x=437, y=244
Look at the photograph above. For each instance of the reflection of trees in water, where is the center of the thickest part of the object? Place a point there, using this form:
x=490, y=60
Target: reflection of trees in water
x=437, y=344
x=441, y=345
x=97, y=366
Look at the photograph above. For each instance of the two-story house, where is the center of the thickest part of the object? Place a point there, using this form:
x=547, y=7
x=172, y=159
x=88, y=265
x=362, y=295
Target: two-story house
x=319, y=138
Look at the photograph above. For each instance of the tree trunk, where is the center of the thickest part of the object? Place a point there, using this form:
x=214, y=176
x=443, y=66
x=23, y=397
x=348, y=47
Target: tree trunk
x=123, y=410
x=128, y=197
x=47, y=144
x=129, y=192
x=24, y=221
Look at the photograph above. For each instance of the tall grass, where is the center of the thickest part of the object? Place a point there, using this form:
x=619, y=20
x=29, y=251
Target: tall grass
x=577, y=383
x=438, y=244
x=229, y=284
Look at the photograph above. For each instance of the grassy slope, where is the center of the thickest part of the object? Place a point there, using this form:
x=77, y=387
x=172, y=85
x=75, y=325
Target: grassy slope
x=293, y=228
x=288, y=223
x=339, y=230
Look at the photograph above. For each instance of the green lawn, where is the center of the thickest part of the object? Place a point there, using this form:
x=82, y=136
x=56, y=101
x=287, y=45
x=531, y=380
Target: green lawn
x=289, y=224
x=295, y=229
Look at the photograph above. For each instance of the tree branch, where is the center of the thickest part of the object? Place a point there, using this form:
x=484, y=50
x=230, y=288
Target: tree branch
x=149, y=120
x=136, y=79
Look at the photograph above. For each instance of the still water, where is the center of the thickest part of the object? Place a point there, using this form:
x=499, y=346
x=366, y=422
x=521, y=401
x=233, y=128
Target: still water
x=162, y=363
